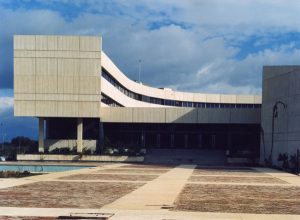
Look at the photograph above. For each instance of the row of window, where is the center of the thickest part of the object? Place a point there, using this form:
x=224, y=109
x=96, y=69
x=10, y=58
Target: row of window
x=110, y=102
x=106, y=75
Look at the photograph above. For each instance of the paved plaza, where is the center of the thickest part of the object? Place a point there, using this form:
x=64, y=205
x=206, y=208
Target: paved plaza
x=132, y=191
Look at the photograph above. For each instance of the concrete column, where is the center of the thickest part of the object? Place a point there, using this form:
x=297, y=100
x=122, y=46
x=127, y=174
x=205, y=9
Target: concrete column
x=79, y=135
x=41, y=135
x=200, y=140
x=186, y=140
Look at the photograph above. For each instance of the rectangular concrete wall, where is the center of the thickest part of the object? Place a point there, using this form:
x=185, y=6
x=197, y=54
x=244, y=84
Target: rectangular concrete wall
x=57, y=76
x=280, y=83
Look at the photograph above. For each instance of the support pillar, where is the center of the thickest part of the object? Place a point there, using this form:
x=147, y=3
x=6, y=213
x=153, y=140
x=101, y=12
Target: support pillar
x=79, y=135
x=41, y=135
x=200, y=141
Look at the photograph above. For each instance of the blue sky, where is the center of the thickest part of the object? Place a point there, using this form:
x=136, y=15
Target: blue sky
x=210, y=46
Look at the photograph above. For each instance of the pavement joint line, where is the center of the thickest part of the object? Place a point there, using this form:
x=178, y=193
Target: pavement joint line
x=240, y=184
x=240, y=176
x=136, y=174
x=98, y=181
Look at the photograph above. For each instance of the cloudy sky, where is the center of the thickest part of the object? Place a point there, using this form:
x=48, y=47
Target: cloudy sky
x=210, y=46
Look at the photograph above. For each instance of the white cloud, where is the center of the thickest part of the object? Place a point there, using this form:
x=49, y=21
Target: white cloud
x=6, y=103
x=198, y=58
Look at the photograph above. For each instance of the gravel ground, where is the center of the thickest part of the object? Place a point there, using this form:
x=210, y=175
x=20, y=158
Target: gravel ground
x=26, y=218
x=228, y=171
x=239, y=199
x=110, y=177
x=149, y=166
x=231, y=179
x=65, y=194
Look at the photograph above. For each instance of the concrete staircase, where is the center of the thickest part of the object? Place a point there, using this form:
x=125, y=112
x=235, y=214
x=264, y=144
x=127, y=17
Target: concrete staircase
x=186, y=156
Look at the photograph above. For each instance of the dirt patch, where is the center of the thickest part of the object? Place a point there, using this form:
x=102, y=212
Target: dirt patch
x=65, y=194
x=26, y=218
x=133, y=171
x=150, y=166
x=231, y=179
x=225, y=168
x=228, y=171
x=239, y=199
x=110, y=177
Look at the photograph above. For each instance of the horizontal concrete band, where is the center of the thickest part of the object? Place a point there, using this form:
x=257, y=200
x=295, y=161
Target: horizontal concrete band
x=179, y=115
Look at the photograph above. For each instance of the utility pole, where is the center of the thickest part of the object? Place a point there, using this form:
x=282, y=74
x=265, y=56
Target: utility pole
x=140, y=69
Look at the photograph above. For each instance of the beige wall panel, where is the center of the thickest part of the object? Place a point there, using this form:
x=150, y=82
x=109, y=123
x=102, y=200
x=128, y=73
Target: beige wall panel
x=24, y=83
x=68, y=67
x=90, y=67
x=151, y=115
x=41, y=42
x=46, y=108
x=24, y=108
x=89, y=85
x=213, y=98
x=68, y=43
x=116, y=114
x=213, y=115
x=52, y=42
x=24, y=96
x=68, y=54
x=46, y=97
x=90, y=55
x=247, y=116
x=68, y=84
x=90, y=98
x=90, y=43
x=70, y=97
x=67, y=109
x=89, y=109
x=46, y=66
x=46, y=53
x=257, y=99
x=228, y=98
x=46, y=84
x=24, y=53
x=181, y=115
x=24, y=42
x=24, y=66
x=197, y=97
x=188, y=96
x=244, y=99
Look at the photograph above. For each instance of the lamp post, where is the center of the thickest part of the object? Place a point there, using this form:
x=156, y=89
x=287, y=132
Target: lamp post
x=274, y=115
x=140, y=69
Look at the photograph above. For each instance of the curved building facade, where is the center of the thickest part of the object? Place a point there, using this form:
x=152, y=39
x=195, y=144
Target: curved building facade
x=83, y=100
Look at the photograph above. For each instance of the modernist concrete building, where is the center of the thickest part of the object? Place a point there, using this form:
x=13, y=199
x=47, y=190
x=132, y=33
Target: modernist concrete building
x=82, y=99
